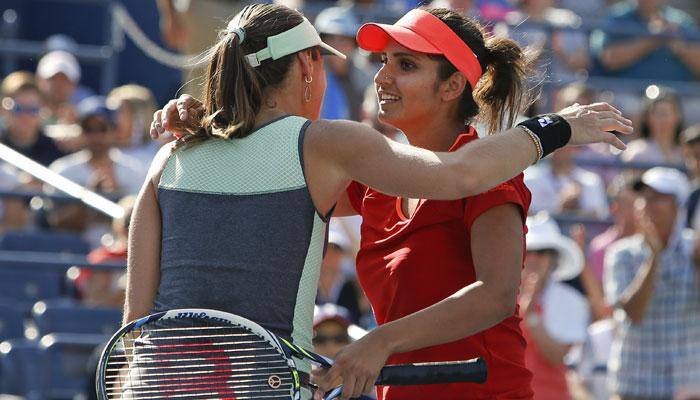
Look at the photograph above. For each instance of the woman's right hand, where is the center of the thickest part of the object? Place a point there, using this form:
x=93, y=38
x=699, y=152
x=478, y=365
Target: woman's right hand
x=598, y=122
x=180, y=116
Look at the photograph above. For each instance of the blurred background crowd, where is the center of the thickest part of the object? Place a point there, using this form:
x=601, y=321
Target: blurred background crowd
x=610, y=295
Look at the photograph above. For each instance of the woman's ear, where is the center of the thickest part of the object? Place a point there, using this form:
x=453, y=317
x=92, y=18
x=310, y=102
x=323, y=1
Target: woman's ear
x=454, y=86
x=306, y=62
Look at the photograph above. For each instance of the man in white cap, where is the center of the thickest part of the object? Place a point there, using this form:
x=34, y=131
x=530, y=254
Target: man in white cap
x=59, y=78
x=651, y=281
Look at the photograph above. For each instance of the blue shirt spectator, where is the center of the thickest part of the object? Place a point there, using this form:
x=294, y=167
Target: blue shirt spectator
x=646, y=40
x=337, y=27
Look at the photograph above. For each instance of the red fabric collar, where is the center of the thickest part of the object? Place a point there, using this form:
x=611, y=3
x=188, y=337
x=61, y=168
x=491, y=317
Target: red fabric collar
x=464, y=138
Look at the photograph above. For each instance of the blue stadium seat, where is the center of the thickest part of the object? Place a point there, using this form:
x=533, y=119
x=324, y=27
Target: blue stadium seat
x=44, y=241
x=68, y=316
x=67, y=357
x=26, y=286
x=21, y=363
x=11, y=320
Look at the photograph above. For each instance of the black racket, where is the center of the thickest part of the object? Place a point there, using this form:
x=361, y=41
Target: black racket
x=207, y=354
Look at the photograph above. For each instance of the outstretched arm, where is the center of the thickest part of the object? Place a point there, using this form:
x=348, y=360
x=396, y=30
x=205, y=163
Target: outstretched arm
x=345, y=150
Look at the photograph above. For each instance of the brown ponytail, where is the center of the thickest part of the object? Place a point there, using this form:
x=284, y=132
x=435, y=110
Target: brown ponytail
x=502, y=91
x=234, y=90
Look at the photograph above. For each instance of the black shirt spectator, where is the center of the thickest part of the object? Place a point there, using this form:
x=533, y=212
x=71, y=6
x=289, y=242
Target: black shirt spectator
x=44, y=150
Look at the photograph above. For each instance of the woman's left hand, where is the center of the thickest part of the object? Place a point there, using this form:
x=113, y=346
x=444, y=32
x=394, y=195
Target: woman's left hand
x=358, y=365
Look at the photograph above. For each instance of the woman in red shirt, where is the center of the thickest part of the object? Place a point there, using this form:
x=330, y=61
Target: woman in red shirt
x=442, y=276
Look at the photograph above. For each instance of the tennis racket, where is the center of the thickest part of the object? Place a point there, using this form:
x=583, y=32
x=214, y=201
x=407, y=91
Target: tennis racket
x=207, y=354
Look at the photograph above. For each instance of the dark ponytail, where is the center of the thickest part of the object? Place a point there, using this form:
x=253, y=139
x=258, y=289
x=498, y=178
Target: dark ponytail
x=233, y=89
x=502, y=91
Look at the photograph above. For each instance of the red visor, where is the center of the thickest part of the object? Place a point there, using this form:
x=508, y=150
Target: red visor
x=423, y=32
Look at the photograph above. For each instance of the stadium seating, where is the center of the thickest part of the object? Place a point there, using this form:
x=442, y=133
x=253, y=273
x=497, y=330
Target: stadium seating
x=11, y=320
x=43, y=241
x=21, y=361
x=25, y=287
x=69, y=363
x=68, y=316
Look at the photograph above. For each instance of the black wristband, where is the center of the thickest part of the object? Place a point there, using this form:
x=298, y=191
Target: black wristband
x=552, y=130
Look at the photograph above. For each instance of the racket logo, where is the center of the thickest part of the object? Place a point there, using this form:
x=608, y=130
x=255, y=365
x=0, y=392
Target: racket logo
x=274, y=381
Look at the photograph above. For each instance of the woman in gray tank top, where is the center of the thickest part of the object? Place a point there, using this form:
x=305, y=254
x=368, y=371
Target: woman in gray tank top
x=233, y=215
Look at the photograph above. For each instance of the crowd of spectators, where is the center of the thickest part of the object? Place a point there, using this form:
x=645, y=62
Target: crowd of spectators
x=610, y=295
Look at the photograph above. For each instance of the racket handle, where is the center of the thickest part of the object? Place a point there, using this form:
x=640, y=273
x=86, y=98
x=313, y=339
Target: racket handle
x=435, y=372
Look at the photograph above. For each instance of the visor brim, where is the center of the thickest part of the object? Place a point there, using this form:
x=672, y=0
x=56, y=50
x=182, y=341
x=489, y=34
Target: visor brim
x=327, y=49
x=375, y=37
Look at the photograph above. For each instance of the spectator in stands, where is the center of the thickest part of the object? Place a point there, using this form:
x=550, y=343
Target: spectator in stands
x=645, y=39
x=691, y=154
x=562, y=187
x=334, y=286
x=103, y=287
x=555, y=315
x=337, y=27
x=333, y=331
x=14, y=214
x=621, y=197
x=192, y=29
x=99, y=167
x=661, y=126
x=464, y=7
x=134, y=105
x=652, y=283
x=59, y=76
x=563, y=52
x=591, y=362
x=589, y=10
x=66, y=43
x=21, y=110
x=331, y=323
x=580, y=93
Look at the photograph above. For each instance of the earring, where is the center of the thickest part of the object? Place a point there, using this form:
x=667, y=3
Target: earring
x=307, y=88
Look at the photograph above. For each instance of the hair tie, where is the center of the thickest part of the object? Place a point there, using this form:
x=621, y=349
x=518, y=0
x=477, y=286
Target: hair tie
x=236, y=30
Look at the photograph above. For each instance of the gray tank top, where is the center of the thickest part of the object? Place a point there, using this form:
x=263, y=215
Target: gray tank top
x=240, y=231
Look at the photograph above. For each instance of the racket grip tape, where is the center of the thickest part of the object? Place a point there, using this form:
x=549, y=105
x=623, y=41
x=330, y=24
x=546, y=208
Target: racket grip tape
x=434, y=373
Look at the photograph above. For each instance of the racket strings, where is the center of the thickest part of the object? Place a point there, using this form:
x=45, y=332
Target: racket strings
x=182, y=359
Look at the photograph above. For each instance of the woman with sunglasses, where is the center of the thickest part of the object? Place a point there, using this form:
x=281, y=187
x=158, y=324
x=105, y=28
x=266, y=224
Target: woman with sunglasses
x=21, y=109
x=425, y=90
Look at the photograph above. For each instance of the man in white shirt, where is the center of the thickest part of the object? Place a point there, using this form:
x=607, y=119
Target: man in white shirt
x=100, y=167
x=562, y=187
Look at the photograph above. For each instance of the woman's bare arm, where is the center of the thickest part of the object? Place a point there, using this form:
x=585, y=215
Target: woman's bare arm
x=143, y=266
x=336, y=152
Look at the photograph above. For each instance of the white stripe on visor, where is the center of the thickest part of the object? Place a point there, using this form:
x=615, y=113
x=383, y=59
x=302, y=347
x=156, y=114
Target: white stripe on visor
x=302, y=36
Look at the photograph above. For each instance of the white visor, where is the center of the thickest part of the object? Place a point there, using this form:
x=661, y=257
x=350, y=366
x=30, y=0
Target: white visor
x=302, y=36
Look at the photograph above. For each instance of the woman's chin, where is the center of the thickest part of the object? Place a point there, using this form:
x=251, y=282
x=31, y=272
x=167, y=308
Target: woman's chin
x=389, y=118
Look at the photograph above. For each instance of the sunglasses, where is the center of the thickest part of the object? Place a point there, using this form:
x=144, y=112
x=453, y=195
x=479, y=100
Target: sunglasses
x=543, y=251
x=18, y=108
x=323, y=339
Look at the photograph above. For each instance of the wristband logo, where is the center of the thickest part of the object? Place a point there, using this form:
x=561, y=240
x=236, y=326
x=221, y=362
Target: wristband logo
x=544, y=121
